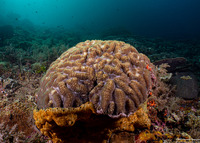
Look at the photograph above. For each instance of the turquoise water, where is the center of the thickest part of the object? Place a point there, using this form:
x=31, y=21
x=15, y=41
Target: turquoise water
x=154, y=18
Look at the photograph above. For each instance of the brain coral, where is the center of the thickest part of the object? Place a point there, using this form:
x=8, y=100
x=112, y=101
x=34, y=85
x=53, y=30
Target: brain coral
x=110, y=74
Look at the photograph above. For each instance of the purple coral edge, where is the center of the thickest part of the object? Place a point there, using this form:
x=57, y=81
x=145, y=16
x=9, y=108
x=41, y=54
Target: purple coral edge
x=100, y=112
x=119, y=116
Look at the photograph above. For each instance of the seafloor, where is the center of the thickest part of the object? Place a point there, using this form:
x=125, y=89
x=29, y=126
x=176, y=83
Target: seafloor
x=25, y=55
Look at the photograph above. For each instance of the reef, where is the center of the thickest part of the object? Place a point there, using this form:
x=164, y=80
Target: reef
x=25, y=56
x=16, y=110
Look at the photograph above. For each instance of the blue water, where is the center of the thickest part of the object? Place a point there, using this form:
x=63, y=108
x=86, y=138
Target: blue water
x=154, y=18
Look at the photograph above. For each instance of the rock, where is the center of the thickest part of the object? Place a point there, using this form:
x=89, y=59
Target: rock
x=187, y=85
x=175, y=64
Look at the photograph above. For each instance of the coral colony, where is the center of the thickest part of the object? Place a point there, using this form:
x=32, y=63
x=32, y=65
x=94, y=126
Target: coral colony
x=110, y=74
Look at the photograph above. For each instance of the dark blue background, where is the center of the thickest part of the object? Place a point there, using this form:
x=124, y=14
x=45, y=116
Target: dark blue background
x=154, y=18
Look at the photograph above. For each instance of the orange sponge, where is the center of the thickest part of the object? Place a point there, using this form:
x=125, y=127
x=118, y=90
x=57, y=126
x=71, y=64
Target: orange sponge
x=83, y=124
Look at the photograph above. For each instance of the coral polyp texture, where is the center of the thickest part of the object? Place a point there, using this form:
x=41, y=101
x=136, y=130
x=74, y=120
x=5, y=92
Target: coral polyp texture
x=112, y=75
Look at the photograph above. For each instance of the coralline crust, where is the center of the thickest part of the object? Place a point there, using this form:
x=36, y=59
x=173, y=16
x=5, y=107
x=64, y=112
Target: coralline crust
x=83, y=124
x=110, y=74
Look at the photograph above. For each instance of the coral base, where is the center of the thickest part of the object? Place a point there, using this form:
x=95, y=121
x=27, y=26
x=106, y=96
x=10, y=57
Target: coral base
x=82, y=124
